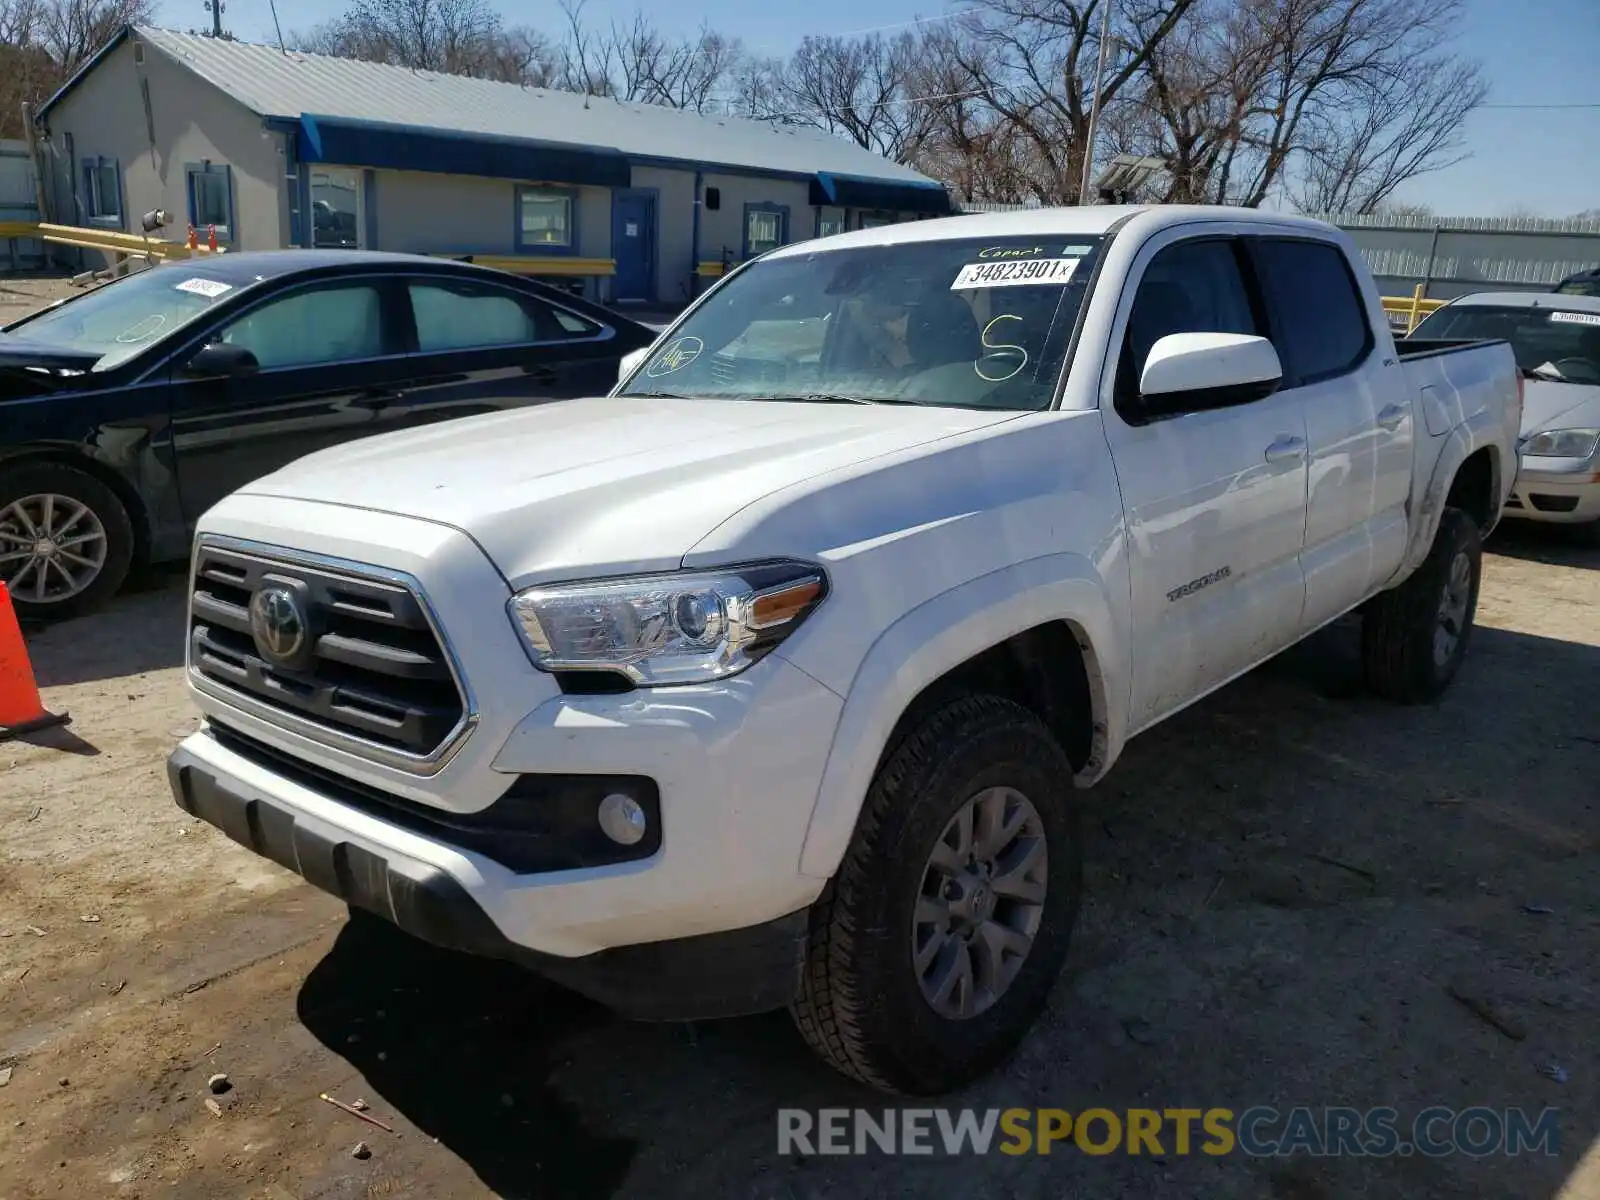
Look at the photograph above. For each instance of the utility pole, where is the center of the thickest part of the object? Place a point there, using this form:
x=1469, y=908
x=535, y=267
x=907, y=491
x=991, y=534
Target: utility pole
x=1094, y=102
x=216, y=7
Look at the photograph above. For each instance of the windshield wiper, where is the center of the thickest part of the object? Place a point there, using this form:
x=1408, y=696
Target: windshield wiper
x=1546, y=374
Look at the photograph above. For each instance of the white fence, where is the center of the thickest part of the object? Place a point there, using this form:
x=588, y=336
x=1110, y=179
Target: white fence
x=19, y=201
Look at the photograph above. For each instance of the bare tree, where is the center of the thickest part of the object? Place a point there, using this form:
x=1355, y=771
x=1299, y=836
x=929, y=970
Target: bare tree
x=42, y=42
x=1335, y=103
x=457, y=37
x=641, y=63
x=870, y=89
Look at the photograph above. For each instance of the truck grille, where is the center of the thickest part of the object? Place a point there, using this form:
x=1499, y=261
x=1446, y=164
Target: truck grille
x=350, y=655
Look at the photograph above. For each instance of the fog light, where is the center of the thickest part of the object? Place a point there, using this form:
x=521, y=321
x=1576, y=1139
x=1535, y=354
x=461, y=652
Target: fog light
x=621, y=819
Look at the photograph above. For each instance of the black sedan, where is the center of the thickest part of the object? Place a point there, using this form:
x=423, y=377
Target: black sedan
x=127, y=411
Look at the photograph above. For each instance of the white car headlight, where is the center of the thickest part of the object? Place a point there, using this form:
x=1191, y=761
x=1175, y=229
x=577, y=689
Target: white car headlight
x=1562, y=443
x=685, y=627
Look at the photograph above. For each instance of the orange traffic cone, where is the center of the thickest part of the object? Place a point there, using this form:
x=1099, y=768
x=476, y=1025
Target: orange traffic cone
x=21, y=711
x=194, y=239
x=211, y=238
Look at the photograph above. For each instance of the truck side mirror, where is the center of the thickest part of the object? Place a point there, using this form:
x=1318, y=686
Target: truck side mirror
x=1187, y=372
x=630, y=362
x=221, y=360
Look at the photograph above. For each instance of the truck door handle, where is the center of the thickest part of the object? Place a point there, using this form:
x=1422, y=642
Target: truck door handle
x=1286, y=449
x=1391, y=416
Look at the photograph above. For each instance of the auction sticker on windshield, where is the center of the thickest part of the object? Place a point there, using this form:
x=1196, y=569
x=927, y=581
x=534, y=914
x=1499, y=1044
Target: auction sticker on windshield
x=1567, y=318
x=209, y=288
x=1012, y=273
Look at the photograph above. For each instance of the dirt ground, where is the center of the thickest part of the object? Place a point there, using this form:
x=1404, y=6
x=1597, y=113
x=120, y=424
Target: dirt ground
x=1288, y=887
x=1285, y=885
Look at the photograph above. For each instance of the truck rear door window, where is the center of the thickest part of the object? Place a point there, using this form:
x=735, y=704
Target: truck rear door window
x=1321, y=327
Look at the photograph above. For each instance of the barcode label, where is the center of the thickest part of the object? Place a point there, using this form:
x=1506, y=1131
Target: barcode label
x=1567, y=318
x=1055, y=271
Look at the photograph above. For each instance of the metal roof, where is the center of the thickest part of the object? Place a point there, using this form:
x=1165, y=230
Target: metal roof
x=288, y=85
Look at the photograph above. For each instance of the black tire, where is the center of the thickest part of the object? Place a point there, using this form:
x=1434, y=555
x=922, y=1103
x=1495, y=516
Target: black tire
x=860, y=1003
x=1399, y=627
x=53, y=478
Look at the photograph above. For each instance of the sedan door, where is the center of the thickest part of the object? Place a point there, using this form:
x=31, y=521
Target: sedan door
x=1214, y=498
x=327, y=354
x=480, y=345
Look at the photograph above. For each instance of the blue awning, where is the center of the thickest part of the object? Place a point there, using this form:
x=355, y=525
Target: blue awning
x=354, y=143
x=848, y=191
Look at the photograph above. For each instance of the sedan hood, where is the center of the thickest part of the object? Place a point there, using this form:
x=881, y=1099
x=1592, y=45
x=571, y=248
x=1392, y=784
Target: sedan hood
x=21, y=352
x=606, y=486
x=1549, y=405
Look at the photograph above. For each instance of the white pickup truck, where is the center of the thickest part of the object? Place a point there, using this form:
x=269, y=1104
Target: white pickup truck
x=767, y=679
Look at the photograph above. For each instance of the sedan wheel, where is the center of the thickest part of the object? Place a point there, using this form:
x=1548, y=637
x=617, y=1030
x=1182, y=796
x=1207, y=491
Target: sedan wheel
x=52, y=547
x=66, y=540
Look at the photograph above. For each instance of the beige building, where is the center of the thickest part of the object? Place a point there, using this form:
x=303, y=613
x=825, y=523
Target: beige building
x=275, y=149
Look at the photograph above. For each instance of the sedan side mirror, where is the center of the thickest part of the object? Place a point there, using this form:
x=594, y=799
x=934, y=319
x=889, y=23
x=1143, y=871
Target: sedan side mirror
x=1186, y=372
x=220, y=360
x=630, y=361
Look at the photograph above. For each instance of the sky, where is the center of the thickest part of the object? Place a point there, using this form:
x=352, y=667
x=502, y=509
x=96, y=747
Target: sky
x=1542, y=161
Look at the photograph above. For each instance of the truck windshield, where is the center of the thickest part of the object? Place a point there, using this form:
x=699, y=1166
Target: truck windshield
x=975, y=323
x=1549, y=343
x=120, y=319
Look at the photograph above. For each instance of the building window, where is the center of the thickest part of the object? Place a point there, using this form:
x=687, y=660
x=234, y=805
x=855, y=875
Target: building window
x=875, y=220
x=766, y=227
x=335, y=208
x=211, y=199
x=545, y=220
x=830, y=221
x=102, y=191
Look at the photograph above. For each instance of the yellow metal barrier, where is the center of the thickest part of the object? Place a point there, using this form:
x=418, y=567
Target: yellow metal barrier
x=1410, y=308
x=540, y=264
x=711, y=270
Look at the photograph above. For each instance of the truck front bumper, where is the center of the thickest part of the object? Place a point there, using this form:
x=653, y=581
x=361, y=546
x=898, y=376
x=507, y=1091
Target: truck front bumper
x=731, y=973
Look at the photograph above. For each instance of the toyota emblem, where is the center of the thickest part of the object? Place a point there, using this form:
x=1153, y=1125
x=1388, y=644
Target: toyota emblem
x=278, y=624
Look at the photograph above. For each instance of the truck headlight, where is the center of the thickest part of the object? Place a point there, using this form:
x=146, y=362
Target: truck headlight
x=1562, y=443
x=685, y=627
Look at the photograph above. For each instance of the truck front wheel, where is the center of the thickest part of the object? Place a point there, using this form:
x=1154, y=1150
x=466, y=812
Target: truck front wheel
x=933, y=950
x=1414, y=637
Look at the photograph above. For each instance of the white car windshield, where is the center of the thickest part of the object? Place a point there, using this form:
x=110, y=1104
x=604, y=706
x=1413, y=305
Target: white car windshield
x=120, y=319
x=971, y=323
x=1550, y=343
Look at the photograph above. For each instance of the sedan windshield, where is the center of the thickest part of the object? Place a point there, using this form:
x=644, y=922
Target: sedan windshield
x=120, y=319
x=967, y=323
x=1548, y=342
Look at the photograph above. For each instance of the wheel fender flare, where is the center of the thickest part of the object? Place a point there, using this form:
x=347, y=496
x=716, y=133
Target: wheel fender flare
x=940, y=634
x=1471, y=435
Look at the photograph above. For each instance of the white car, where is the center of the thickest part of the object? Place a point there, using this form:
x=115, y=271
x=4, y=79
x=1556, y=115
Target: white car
x=767, y=680
x=1556, y=339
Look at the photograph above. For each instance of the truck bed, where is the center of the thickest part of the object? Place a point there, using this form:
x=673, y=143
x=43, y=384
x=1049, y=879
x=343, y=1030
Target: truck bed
x=1409, y=348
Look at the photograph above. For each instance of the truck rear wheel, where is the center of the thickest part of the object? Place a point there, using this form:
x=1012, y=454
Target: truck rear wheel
x=1414, y=637
x=933, y=950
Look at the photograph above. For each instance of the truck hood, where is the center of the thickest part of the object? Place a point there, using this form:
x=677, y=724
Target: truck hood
x=606, y=486
x=1549, y=405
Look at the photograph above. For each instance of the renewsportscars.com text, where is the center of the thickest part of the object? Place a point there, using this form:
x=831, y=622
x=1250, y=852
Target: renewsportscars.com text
x=1258, y=1131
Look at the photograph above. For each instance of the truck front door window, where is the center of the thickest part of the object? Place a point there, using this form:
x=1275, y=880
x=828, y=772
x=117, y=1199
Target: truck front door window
x=1189, y=287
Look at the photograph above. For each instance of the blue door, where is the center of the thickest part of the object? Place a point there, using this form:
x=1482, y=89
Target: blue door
x=633, y=243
